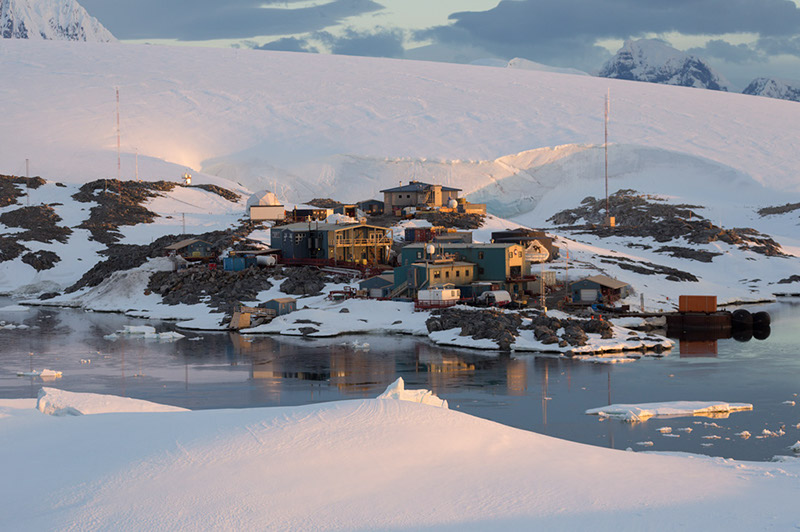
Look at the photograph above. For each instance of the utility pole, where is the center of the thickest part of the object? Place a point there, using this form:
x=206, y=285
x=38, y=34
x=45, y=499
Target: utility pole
x=119, y=157
x=27, y=183
x=183, y=218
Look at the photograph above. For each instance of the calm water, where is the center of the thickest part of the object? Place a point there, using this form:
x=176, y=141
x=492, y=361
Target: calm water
x=546, y=395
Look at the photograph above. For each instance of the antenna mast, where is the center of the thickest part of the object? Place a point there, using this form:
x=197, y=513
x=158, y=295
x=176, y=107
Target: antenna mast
x=605, y=149
x=119, y=161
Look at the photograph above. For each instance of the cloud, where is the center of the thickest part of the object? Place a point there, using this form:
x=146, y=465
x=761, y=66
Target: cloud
x=780, y=45
x=198, y=20
x=732, y=53
x=542, y=28
x=379, y=43
x=288, y=44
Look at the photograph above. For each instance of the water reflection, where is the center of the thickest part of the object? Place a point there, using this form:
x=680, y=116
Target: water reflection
x=547, y=395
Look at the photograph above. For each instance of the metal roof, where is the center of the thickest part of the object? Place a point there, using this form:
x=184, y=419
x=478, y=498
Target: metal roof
x=322, y=226
x=417, y=186
x=608, y=282
x=452, y=245
x=183, y=243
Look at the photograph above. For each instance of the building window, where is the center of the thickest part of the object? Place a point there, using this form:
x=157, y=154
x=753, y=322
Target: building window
x=437, y=275
x=480, y=255
x=480, y=270
x=447, y=275
x=419, y=254
x=298, y=238
x=458, y=273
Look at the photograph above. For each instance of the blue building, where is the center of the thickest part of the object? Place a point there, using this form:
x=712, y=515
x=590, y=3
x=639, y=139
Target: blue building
x=599, y=289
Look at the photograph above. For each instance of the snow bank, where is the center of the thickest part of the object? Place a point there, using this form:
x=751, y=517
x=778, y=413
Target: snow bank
x=398, y=392
x=643, y=411
x=61, y=403
x=362, y=464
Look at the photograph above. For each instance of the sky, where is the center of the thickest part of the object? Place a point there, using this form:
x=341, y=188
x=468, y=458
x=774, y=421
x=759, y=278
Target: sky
x=742, y=39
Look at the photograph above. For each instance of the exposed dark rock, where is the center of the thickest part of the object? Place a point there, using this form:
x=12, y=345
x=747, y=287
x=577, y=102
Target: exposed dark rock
x=13, y=187
x=125, y=257
x=688, y=253
x=40, y=222
x=49, y=295
x=453, y=219
x=790, y=279
x=478, y=324
x=783, y=209
x=10, y=249
x=118, y=203
x=324, y=203
x=305, y=331
x=41, y=260
x=640, y=216
x=648, y=268
x=224, y=192
x=217, y=288
x=306, y=280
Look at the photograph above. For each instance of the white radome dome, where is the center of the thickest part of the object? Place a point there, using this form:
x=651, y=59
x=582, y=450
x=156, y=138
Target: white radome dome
x=263, y=197
x=452, y=203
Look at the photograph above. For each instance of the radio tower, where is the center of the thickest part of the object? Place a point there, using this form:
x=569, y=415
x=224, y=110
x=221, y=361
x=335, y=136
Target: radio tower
x=119, y=159
x=605, y=149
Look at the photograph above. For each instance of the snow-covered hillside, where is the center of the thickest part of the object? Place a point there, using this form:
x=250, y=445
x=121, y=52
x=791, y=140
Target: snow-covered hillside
x=267, y=117
x=654, y=61
x=525, y=142
x=64, y=20
x=782, y=89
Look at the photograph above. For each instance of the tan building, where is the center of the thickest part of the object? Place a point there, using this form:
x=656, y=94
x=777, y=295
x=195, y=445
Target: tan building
x=418, y=194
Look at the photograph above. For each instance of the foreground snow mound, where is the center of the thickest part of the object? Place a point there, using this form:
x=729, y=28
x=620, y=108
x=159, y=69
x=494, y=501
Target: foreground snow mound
x=60, y=403
x=397, y=390
x=645, y=411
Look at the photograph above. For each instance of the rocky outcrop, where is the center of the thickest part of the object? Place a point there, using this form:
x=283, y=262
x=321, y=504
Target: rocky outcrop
x=495, y=325
x=639, y=215
x=12, y=188
x=217, y=288
x=306, y=281
x=41, y=260
x=40, y=223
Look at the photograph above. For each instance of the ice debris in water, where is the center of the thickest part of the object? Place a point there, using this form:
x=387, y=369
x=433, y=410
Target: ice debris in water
x=397, y=391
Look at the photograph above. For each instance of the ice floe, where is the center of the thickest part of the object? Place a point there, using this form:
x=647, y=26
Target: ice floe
x=643, y=411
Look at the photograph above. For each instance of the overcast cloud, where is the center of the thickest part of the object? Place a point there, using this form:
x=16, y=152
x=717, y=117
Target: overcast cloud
x=197, y=20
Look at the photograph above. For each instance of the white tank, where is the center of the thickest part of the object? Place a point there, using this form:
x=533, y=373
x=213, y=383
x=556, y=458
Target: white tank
x=452, y=203
x=430, y=249
x=266, y=260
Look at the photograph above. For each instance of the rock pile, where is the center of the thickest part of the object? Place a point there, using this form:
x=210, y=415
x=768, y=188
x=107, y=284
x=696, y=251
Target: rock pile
x=229, y=195
x=118, y=203
x=41, y=260
x=217, y=288
x=646, y=216
x=479, y=324
x=306, y=281
x=453, y=219
x=40, y=223
x=11, y=187
x=504, y=327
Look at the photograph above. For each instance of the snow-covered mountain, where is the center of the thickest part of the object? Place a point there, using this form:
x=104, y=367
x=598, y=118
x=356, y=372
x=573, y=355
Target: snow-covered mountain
x=63, y=20
x=783, y=89
x=654, y=61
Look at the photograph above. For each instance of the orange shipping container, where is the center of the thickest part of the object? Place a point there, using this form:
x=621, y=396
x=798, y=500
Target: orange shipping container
x=707, y=304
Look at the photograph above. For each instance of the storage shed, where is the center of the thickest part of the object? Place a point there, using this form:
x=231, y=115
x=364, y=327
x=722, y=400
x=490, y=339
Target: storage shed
x=192, y=249
x=378, y=286
x=281, y=305
x=599, y=289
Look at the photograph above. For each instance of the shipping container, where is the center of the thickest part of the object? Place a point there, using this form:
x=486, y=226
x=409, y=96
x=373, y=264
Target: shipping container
x=707, y=304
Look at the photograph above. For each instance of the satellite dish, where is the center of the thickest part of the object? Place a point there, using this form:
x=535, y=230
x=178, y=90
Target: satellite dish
x=430, y=249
